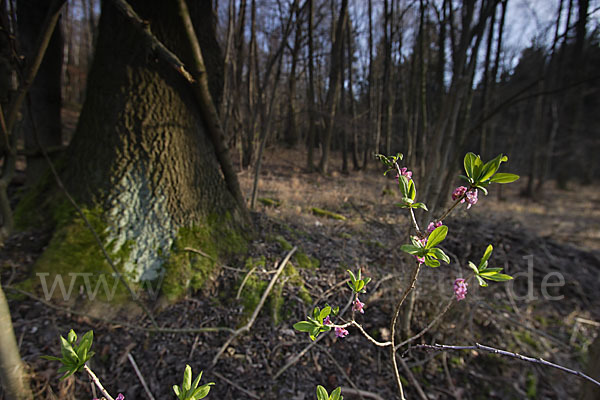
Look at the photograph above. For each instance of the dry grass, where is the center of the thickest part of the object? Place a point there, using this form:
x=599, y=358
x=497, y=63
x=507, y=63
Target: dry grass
x=571, y=216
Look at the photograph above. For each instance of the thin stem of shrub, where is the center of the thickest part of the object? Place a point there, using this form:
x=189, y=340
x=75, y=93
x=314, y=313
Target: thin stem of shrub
x=493, y=350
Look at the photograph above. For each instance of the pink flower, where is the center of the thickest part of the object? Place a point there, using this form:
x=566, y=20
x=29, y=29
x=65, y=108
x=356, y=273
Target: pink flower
x=431, y=227
x=471, y=198
x=120, y=397
x=340, y=332
x=358, y=306
x=459, y=192
x=460, y=288
x=327, y=321
x=404, y=171
x=421, y=260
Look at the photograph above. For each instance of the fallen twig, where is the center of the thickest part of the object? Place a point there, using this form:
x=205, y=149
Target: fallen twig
x=259, y=306
x=239, y=292
x=140, y=377
x=235, y=385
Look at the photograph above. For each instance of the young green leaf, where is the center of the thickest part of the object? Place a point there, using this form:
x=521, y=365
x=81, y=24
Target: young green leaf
x=404, y=186
x=304, y=326
x=486, y=255
x=481, y=281
x=437, y=236
x=72, y=336
x=439, y=254
x=496, y=277
x=419, y=205
x=336, y=394
x=322, y=393
x=177, y=391
x=410, y=249
x=187, y=379
x=469, y=163
x=502, y=177
x=431, y=262
x=412, y=191
x=473, y=267
x=324, y=313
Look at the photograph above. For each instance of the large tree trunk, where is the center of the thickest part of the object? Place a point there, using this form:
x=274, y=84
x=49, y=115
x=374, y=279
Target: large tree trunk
x=141, y=159
x=45, y=93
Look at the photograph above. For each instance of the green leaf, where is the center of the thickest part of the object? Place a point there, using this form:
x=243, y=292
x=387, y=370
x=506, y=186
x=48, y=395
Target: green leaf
x=406, y=201
x=481, y=281
x=404, y=186
x=72, y=336
x=431, y=262
x=483, y=189
x=483, y=267
x=420, y=205
x=491, y=167
x=367, y=280
x=336, y=309
x=84, y=346
x=336, y=394
x=177, y=391
x=359, y=286
x=324, y=313
x=486, y=255
x=187, y=378
x=202, y=391
x=498, y=277
x=469, y=163
x=439, y=254
x=352, y=277
x=473, y=267
x=502, y=177
x=487, y=270
x=197, y=381
x=412, y=191
x=410, y=249
x=67, y=350
x=322, y=393
x=437, y=236
x=304, y=326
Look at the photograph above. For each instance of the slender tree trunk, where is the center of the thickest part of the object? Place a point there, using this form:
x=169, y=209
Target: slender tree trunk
x=353, y=130
x=370, y=87
x=45, y=92
x=310, y=143
x=292, y=128
x=334, y=85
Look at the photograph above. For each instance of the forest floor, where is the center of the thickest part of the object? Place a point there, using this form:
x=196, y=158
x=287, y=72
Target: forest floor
x=545, y=241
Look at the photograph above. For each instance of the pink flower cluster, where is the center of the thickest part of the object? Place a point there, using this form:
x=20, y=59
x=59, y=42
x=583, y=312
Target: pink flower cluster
x=340, y=332
x=432, y=225
x=404, y=172
x=470, y=196
x=460, y=288
x=423, y=242
x=358, y=306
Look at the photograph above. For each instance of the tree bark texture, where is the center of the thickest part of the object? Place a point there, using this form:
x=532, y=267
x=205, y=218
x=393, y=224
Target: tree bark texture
x=141, y=150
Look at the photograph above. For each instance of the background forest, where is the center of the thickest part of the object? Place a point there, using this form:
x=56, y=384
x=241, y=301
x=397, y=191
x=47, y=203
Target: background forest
x=185, y=160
